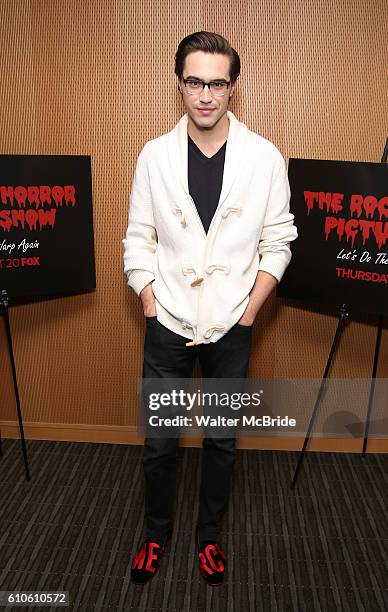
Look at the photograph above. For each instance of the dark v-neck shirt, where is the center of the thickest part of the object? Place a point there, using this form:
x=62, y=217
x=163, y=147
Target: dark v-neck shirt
x=205, y=176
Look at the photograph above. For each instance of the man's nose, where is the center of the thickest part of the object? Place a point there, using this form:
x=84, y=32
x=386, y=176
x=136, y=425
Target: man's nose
x=205, y=94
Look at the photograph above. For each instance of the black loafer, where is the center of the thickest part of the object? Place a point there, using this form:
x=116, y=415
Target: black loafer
x=212, y=561
x=146, y=561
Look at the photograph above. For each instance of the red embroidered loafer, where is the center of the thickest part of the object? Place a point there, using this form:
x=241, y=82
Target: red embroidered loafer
x=146, y=561
x=212, y=562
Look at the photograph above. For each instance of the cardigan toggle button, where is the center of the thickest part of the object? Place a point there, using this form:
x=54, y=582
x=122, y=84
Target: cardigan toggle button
x=212, y=268
x=178, y=211
x=196, y=281
x=232, y=209
x=195, y=341
x=210, y=331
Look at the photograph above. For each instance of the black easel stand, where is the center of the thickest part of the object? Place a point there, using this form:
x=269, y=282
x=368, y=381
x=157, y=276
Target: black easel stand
x=341, y=324
x=343, y=316
x=377, y=348
x=4, y=304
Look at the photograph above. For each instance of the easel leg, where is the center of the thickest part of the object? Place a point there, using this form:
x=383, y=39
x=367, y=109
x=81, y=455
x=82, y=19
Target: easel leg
x=341, y=324
x=4, y=303
x=373, y=384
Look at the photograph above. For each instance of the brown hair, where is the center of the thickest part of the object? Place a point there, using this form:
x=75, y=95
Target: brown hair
x=209, y=43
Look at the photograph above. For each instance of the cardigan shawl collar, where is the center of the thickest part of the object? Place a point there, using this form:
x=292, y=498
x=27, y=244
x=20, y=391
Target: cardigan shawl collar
x=178, y=146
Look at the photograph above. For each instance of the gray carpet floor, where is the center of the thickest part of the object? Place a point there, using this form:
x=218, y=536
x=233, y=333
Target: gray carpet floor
x=76, y=525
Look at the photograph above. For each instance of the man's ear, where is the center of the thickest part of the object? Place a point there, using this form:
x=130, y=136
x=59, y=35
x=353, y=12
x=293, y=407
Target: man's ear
x=179, y=86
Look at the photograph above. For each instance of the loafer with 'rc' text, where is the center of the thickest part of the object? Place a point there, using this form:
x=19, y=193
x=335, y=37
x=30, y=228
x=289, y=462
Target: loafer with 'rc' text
x=212, y=562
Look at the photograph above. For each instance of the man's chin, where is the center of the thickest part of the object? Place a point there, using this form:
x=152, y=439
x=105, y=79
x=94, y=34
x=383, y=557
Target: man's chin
x=205, y=123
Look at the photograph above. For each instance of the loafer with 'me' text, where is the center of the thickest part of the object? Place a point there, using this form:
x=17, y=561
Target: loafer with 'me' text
x=146, y=561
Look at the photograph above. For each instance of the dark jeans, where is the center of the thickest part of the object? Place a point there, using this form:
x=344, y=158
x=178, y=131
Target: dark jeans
x=166, y=356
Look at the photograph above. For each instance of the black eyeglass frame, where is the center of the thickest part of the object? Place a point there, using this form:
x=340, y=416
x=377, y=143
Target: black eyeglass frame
x=204, y=83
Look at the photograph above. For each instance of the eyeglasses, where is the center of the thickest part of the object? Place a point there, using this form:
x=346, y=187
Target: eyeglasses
x=196, y=86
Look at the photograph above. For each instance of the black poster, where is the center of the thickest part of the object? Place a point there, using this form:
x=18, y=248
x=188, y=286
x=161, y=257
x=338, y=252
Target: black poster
x=341, y=254
x=46, y=225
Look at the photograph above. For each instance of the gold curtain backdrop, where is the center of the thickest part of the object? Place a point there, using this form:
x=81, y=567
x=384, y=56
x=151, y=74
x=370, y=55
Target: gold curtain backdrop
x=97, y=78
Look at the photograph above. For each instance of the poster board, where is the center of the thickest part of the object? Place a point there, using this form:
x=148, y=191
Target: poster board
x=46, y=225
x=341, y=253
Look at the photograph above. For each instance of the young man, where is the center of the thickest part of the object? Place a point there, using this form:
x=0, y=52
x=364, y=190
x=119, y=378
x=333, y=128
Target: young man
x=207, y=241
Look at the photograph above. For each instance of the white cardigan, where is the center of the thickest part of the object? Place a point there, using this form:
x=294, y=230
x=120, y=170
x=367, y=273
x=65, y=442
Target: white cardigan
x=202, y=282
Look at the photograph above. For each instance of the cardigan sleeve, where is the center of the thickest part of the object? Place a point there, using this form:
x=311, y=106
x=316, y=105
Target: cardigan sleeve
x=279, y=229
x=140, y=241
